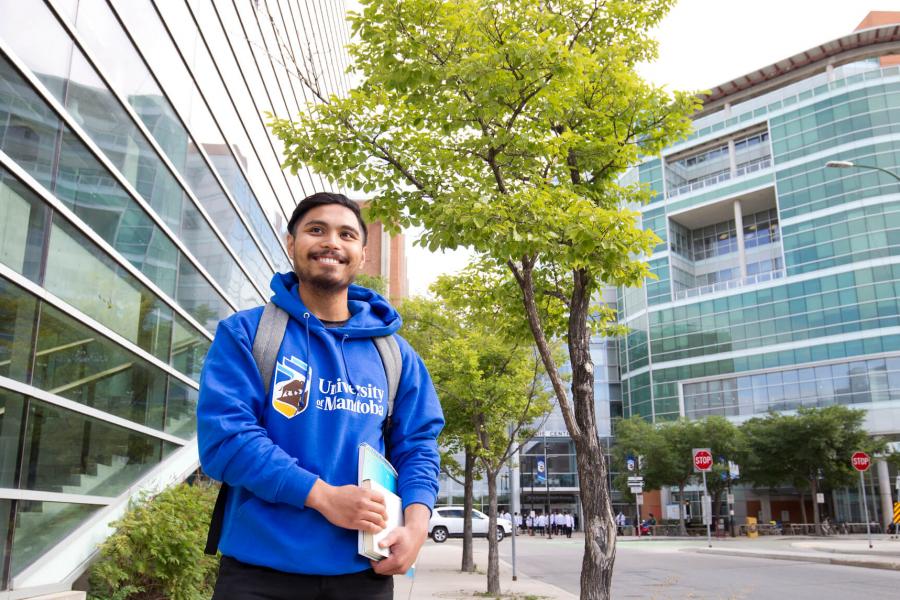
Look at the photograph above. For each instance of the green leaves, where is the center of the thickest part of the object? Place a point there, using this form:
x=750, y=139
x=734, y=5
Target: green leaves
x=157, y=549
x=477, y=349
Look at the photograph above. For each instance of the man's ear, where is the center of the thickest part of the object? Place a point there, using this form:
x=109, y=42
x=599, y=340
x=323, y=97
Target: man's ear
x=289, y=245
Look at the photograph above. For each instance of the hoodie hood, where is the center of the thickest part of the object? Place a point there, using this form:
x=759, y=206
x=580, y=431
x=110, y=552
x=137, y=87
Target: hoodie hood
x=371, y=315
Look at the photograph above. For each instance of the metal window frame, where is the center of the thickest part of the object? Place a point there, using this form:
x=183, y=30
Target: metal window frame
x=72, y=555
x=101, y=157
x=91, y=323
x=184, y=124
x=203, y=36
x=75, y=37
x=217, y=9
x=88, y=411
x=203, y=96
x=74, y=220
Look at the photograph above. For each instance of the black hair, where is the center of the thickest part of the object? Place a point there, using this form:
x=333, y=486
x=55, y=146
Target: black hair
x=323, y=199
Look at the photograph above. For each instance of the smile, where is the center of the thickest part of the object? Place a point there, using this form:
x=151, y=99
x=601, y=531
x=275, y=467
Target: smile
x=328, y=260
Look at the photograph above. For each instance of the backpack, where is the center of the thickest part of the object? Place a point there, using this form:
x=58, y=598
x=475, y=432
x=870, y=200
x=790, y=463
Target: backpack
x=269, y=335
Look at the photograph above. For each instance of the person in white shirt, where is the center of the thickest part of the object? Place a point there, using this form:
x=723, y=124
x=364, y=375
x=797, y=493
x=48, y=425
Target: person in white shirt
x=519, y=522
x=570, y=524
x=621, y=521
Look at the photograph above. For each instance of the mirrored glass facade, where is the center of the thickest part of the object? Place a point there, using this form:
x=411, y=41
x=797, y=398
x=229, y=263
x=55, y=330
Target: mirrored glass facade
x=141, y=201
x=778, y=279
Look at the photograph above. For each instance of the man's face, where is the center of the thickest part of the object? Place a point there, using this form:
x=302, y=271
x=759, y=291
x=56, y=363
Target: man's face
x=327, y=248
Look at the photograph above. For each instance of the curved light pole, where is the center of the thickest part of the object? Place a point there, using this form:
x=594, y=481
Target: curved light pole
x=846, y=164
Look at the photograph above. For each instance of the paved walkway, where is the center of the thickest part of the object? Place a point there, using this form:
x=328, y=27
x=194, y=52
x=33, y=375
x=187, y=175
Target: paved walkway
x=438, y=576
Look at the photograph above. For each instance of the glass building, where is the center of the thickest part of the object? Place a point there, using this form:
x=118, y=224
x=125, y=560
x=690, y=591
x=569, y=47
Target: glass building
x=141, y=200
x=778, y=279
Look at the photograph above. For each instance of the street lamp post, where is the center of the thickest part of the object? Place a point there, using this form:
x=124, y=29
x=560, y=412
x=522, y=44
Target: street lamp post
x=846, y=164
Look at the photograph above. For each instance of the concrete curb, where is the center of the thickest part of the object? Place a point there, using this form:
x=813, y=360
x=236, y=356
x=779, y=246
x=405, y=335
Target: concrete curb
x=842, y=560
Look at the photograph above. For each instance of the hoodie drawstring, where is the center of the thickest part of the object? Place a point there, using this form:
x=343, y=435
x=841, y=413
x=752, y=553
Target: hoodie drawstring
x=346, y=368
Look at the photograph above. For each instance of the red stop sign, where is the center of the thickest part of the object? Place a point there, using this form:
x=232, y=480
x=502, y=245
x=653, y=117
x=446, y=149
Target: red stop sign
x=860, y=461
x=703, y=459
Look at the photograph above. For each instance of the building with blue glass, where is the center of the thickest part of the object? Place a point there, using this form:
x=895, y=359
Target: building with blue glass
x=777, y=278
x=141, y=200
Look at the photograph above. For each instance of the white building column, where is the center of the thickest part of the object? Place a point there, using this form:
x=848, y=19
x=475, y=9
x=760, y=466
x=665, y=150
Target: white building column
x=739, y=231
x=884, y=488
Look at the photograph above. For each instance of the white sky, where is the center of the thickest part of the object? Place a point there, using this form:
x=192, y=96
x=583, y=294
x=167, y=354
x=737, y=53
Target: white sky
x=703, y=43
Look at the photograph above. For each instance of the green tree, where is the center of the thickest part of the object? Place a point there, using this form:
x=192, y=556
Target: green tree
x=426, y=323
x=666, y=450
x=505, y=125
x=488, y=378
x=805, y=448
x=376, y=283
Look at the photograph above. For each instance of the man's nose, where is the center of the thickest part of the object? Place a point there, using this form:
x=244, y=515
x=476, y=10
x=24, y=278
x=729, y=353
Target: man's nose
x=331, y=240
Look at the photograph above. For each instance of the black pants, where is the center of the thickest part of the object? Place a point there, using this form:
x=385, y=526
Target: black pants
x=240, y=581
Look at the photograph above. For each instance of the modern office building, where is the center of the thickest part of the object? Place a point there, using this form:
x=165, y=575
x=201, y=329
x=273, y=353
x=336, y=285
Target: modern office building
x=778, y=279
x=141, y=200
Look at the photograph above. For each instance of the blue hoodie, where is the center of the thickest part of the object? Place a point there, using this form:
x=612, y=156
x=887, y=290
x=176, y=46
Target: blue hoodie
x=271, y=447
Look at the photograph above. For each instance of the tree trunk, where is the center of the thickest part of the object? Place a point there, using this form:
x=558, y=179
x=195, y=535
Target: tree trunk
x=682, y=529
x=599, y=525
x=581, y=422
x=814, y=488
x=468, y=559
x=803, y=507
x=493, y=572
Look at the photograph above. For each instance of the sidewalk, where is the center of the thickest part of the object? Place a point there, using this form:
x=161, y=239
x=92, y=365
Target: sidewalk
x=438, y=576
x=850, y=551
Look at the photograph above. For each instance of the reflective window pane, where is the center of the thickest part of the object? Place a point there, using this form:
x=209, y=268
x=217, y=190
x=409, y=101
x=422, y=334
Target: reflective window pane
x=86, y=278
x=5, y=523
x=18, y=315
x=11, y=417
x=22, y=228
x=71, y=453
x=76, y=363
x=181, y=409
x=40, y=526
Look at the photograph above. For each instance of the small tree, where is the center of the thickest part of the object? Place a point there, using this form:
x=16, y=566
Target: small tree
x=488, y=377
x=505, y=126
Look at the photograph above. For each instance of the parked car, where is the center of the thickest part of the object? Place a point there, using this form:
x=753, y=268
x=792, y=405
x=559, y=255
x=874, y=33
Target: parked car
x=447, y=521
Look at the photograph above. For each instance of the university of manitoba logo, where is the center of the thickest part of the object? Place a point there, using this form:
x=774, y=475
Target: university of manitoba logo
x=290, y=395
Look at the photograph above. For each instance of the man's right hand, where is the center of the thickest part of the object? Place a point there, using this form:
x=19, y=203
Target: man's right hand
x=349, y=506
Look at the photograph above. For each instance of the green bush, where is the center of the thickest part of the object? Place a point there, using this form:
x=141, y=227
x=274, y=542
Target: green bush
x=156, y=552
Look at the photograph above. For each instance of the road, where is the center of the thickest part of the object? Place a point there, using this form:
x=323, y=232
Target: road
x=668, y=570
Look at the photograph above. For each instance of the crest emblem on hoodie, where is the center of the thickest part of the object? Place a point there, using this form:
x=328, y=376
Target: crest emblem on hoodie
x=290, y=394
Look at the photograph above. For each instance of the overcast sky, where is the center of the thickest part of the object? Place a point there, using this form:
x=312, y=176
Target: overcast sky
x=703, y=43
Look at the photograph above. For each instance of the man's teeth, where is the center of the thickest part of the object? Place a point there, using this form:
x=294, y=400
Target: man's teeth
x=329, y=260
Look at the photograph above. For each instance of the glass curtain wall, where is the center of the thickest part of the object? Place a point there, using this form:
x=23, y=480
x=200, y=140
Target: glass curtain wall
x=142, y=200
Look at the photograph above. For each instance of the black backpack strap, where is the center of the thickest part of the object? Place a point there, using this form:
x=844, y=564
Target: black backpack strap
x=269, y=335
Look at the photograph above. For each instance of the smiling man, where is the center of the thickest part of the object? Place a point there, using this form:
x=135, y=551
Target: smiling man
x=289, y=452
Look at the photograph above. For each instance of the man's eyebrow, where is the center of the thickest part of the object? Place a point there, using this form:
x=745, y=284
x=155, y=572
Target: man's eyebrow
x=326, y=224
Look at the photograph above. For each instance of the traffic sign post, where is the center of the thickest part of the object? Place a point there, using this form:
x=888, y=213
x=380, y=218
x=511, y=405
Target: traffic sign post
x=861, y=462
x=703, y=461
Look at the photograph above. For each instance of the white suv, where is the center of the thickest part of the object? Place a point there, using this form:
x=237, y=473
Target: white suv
x=447, y=521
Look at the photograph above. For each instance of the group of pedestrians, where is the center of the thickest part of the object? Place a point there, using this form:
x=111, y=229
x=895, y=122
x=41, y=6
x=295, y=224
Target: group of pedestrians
x=537, y=523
